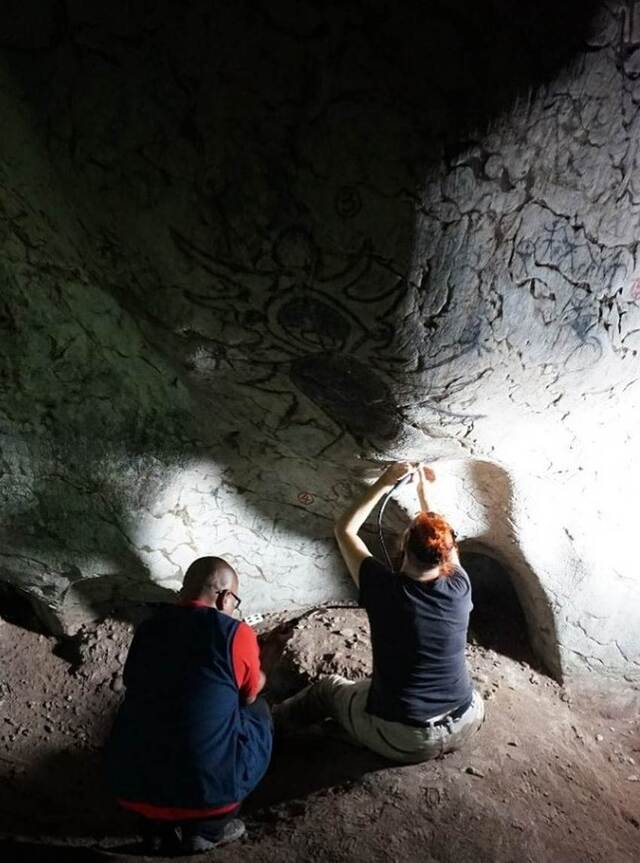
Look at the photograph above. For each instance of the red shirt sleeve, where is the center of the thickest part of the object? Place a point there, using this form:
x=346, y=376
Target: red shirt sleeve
x=245, y=657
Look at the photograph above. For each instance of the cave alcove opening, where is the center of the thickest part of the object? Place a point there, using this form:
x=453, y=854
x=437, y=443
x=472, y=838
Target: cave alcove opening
x=498, y=621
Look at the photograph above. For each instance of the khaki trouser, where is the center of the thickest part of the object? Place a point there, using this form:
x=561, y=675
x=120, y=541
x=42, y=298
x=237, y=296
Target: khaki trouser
x=345, y=701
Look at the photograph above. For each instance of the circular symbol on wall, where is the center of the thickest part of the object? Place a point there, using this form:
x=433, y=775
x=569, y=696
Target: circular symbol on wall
x=306, y=498
x=313, y=323
x=295, y=249
x=348, y=202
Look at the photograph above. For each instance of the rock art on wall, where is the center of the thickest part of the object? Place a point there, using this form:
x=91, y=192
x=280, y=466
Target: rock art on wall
x=247, y=256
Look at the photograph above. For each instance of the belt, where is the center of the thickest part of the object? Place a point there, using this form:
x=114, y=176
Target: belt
x=453, y=714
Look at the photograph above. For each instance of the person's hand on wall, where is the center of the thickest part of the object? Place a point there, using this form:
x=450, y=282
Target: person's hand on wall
x=395, y=472
x=427, y=472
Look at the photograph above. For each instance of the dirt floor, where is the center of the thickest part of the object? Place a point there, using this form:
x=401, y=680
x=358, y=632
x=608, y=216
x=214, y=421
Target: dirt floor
x=551, y=777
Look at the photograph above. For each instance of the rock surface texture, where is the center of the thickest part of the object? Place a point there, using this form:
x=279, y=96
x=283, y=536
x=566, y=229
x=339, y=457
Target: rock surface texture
x=248, y=250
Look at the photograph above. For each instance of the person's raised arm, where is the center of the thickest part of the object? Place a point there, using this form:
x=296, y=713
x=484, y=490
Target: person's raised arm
x=425, y=474
x=352, y=548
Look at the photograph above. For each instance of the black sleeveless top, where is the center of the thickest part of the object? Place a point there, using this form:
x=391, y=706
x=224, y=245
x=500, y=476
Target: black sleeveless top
x=418, y=638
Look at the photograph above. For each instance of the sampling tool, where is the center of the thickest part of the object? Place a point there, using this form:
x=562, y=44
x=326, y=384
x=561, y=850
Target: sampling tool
x=385, y=500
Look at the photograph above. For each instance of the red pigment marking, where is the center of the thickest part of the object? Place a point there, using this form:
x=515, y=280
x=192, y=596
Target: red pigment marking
x=635, y=290
x=305, y=497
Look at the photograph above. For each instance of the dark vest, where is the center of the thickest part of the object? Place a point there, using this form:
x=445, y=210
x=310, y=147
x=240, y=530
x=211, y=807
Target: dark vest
x=181, y=737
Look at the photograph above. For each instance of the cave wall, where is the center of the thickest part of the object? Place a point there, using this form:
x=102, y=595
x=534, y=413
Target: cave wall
x=249, y=252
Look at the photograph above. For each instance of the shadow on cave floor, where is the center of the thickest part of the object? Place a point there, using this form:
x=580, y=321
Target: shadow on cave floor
x=28, y=852
x=62, y=798
x=60, y=795
x=497, y=621
x=302, y=766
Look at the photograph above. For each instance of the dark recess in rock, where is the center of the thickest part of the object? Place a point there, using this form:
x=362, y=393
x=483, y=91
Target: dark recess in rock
x=497, y=620
x=349, y=391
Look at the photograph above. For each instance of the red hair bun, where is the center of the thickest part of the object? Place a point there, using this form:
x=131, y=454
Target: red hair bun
x=430, y=539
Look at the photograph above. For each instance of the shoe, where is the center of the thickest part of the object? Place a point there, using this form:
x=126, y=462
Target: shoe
x=196, y=844
x=161, y=840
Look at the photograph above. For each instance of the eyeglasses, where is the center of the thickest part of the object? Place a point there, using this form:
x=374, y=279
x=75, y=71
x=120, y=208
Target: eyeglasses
x=231, y=593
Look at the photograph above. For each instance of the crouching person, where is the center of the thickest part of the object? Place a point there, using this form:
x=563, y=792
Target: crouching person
x=419, y=702
x=191, y=739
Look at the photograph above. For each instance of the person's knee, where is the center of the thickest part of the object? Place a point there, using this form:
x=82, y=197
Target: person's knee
x=334, y=683
x=331, y=688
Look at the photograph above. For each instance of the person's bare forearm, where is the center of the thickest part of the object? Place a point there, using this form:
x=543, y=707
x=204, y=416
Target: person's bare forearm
x=422, y=493
x=353, y=549
x=352, y=520
x=425, y=474
x=261, y=685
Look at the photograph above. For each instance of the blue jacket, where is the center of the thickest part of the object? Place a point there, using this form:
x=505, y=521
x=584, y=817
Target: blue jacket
x=181, y=737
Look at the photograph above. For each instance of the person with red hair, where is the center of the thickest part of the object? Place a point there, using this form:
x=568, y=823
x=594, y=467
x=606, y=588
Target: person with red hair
x=419, y=702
